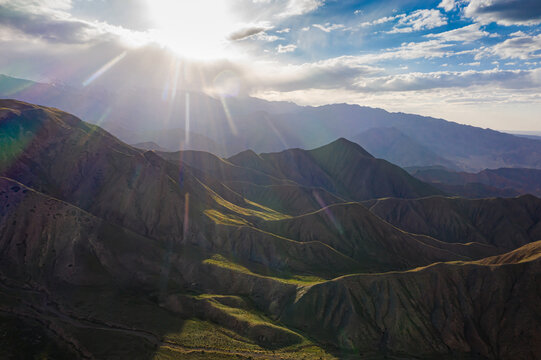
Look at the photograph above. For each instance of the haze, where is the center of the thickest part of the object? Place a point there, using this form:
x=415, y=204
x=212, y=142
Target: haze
x=474, y=62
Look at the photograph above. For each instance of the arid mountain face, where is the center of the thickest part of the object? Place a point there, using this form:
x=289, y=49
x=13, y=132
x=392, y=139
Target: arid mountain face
x=109, y=251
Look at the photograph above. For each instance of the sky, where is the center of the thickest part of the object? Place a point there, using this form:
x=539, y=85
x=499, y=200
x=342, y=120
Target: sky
x=476, y=62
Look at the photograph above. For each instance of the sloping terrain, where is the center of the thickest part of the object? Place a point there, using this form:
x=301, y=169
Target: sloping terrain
x=108, y=251
x=448, y=308
x=341, y=167
x=504, y=223
x=235, y=124
x=503, y=181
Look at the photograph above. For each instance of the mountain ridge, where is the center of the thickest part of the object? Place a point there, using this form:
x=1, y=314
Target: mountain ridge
x=121, y=252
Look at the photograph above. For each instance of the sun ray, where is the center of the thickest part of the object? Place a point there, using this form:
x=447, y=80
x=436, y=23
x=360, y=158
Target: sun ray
x=104, y=69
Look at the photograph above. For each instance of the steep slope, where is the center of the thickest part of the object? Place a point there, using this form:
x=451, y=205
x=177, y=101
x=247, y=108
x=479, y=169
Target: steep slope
x=119, y=253
x=288, y=199
x=392, y=145
x=84, y=279
x=450, y=309
x=341, y=167
x=58, y=154
x=280, y=194
x=221, y=169
x=353, y=230
x=504, y=223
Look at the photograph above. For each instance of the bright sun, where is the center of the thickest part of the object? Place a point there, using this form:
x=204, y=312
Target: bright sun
x=194, y=28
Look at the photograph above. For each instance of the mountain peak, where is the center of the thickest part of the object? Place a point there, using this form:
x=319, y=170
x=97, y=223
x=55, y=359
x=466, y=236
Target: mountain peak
x=344, y=146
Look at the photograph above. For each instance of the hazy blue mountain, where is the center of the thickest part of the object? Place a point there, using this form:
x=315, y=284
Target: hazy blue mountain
x=392, y=145
x=489, y=182
x=230, y=125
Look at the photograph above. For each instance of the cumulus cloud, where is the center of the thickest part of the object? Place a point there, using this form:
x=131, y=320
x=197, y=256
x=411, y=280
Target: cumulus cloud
x=49, y=26
x=424, y=19
x=382, y=20
x=49, y=21
x=518, y=46
x=505, y=12
x=286, y=48
x=325, y=74
x=414, y=50
x=447, y=5
x=300, y=7
x=466, y=34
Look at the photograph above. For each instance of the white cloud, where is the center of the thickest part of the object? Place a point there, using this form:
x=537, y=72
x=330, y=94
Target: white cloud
x=300, y=7
x=447, y=5
x=424, y=19
x=505, y=12
x=519, y=46
x=286, y=48
x=382, y=20
x=49, y=21
x=328, y=27
x=414, y=50
x=466, y=34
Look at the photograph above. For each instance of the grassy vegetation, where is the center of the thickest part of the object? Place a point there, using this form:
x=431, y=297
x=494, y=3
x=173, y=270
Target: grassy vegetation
x=221, y=261
x=265, y=213
x=198, y=333
x=205, y=340
x=223, y=219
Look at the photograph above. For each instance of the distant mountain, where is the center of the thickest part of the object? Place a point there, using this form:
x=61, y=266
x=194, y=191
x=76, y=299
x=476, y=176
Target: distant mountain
x=496, y=182
x=236, y=124
x=341, y=167
x=109, y=251
x=392, y=145
x=149, y=145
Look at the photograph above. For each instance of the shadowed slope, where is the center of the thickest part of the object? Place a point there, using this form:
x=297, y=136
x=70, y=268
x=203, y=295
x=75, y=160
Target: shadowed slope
x=280, y=194
x=342, y=168
x=487, y=311
x=353, y=230
x=504, y=223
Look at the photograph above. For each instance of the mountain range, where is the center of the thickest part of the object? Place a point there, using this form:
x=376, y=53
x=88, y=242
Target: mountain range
x=111, y=251
x=226, y=126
